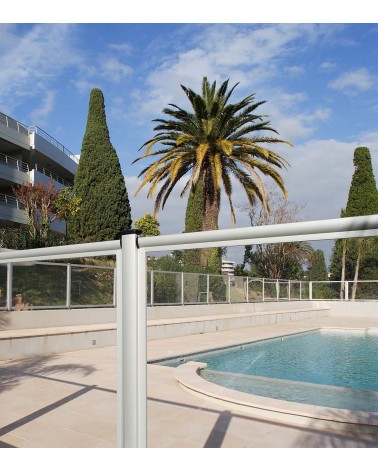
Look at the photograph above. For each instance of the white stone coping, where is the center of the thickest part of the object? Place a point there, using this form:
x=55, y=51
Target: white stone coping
x=55, y=331
x=195, y=319
x=278, y=410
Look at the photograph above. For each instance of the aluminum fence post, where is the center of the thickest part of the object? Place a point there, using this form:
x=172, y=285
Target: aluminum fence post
x=300, y=290
x=115, y=286
x=310, y=290
x=247, y=289
x=207, y=288
x=182, y=288
x=9, y=286
x=229, y=288
x=131, y=344
x=289, y=288
x=152, y=287
x=68, y=286
x=346, y=291
x=263, y=290
x=277, y=290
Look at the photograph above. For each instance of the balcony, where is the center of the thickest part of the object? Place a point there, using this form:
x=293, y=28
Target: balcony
x=47, y=149
x=13, y=171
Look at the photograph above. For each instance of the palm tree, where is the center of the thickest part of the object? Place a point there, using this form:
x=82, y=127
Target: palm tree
x=215, y=141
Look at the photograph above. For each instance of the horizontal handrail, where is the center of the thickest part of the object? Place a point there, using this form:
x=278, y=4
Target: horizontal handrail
x=14, y=162
x=11, y=201
x=14, y=124
x=338, y=228
x=27, y=130
x=53, y=176
x=53, y=141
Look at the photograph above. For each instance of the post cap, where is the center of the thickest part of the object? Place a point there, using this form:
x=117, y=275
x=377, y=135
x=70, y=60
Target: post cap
x=136, y=231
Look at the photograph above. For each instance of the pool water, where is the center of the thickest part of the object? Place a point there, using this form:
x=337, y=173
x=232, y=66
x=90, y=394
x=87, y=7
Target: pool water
x=336, y=368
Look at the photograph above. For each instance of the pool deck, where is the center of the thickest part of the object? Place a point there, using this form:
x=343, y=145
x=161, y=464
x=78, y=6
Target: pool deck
x=69, y=400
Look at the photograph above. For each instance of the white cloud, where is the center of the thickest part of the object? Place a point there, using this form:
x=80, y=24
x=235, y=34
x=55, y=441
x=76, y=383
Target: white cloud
x=124, y=48
x=30, y=63
x=114, y=70
x=354, y=82
x=251, y=55
x=39, y=115
x=327, y=65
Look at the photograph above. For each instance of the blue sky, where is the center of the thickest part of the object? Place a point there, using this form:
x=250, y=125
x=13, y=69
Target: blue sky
x=319, y=81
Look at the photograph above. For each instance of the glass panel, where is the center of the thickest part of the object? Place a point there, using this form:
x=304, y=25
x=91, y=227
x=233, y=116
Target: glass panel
x=195, y=288
x=255, y=290
x=39, y=285
x=167, y=288
x=91, y=285
x=218, y=288
x=270, y=287
x=283, y=290
x=3, y=286
x=365, y=290
x=238, y=289
x=326, y=290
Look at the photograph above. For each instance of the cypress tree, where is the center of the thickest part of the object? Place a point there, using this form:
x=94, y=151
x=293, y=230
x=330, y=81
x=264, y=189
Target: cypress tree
x=318, y=269
x=105, y=209
x=362, y=200
x=363, y=193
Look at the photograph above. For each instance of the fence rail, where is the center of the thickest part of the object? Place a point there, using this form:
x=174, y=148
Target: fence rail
x=47, y=285
x=14, y=163
x=53, y=176
x=182, y=288
x=54, y=142
x=10, y=201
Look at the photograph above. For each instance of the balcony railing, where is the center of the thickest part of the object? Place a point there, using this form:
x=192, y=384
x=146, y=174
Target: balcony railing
x=10, y=201
x=25, y=130
x=11, y=123
x=53, y=176
x=13, y=162
x=53, y=141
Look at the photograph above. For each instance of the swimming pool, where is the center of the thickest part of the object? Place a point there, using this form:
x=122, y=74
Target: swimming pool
x=333, y=368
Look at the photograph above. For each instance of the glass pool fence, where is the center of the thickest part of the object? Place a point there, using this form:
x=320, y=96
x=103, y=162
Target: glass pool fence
x=56, y=285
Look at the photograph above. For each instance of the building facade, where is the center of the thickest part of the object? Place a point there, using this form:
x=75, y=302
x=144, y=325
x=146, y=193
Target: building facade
x=30, y=155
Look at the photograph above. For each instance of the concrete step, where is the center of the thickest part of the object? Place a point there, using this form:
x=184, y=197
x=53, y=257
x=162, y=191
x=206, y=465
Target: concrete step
x=20, y=343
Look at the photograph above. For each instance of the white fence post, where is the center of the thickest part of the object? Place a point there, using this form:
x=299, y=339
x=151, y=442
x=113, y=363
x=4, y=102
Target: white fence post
x=9, y=285
x=310, y=290
x=247, y=289
x=131, y=347
x=182, y=288
x=346, y=291
x=152, y=287
x=68, y=287
x=229, y=288
x=263, y=289
x=208, y=288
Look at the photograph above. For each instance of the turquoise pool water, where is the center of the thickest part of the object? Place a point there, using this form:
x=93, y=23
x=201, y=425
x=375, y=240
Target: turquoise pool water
x=336, y=368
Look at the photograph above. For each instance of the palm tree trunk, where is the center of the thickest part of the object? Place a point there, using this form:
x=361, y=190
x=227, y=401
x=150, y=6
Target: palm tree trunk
x=211, y=257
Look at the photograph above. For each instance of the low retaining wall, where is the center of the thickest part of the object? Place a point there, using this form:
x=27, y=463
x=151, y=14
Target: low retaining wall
x=41, y=332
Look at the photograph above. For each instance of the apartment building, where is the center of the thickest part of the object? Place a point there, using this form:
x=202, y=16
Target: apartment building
x=29, y=154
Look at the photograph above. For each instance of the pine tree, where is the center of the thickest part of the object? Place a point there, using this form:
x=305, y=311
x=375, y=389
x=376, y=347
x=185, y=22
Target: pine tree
x=105, y=209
